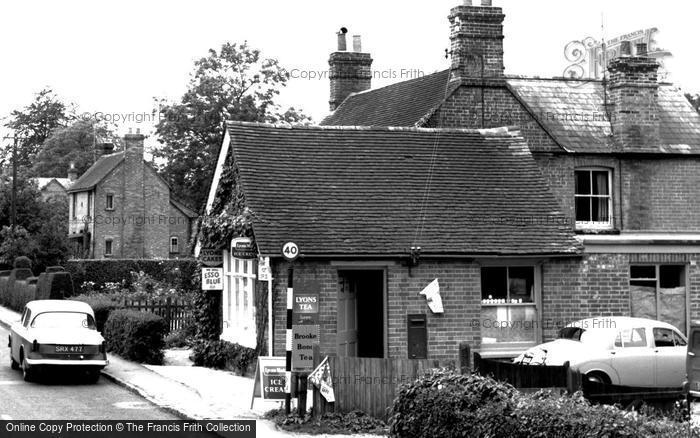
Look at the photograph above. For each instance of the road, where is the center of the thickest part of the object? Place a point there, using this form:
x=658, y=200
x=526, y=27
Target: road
x=68, y=398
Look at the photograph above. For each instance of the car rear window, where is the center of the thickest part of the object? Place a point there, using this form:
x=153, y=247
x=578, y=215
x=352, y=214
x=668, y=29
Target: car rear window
x=573, y=333
x=64, y=320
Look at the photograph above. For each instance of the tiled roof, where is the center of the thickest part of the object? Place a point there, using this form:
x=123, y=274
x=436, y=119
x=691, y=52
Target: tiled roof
x=401, y=104
x=183, y=208
x=45, y=181
x=97, y=172
x=359, y=191
x=571, y=111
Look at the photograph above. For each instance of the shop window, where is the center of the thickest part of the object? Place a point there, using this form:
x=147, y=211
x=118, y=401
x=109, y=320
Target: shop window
x=508, y=307
x=593, y=199
x=659, y=292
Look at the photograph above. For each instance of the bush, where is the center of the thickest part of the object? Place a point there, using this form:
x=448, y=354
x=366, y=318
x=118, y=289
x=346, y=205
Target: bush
x=22, y=263
x=177, y=273
x=223, y=355
x=54, y=285
x=451, y=405
x=137, y=336
x=356, y=422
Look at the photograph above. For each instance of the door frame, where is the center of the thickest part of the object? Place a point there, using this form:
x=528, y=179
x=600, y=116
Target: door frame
x=368, y=266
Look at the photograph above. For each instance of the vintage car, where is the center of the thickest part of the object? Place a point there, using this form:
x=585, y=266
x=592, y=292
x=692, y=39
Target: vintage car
x=57, y=333
x=618, y=350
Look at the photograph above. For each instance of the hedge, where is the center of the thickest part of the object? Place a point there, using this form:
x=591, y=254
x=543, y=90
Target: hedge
x=223, y=355
x=451, y=405
x=136, y=336
x=179, y=272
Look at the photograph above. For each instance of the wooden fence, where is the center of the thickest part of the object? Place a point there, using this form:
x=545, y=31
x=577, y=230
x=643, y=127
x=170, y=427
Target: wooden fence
x=370, y=385
x=176, y=312
x=529, y=376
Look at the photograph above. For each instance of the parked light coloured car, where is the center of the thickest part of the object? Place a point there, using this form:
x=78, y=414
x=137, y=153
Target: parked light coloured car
x=693, y=361
x=619, y=350
x=57, y=333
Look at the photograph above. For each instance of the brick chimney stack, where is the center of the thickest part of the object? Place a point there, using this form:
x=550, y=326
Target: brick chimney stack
x=476, y=34
x=350, y=72
x=72, y=172
x=134, y=195
x=633, y=93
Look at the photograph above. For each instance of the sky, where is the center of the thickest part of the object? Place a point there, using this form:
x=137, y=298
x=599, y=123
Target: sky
x=116, y=57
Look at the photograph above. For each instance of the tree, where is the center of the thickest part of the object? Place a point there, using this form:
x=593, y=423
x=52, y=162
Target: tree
x=74, y=143
x=235, y=83
x=34, y=124
x=42, y=227
x=694, y=100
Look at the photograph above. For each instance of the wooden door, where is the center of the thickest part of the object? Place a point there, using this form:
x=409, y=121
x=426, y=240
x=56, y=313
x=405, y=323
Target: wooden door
x=347, y=316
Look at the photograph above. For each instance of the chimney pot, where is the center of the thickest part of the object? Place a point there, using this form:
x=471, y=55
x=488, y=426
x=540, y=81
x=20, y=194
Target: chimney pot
x=466, y=2
x=486, y=3
x=72, y=172
x=342, y=43
x=642, y=49
x=626, y=48
x=357, y=43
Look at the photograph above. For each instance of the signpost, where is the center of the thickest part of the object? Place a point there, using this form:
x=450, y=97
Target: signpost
x=212, y=279
x=290, y=251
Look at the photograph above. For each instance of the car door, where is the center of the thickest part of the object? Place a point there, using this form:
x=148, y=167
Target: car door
x=632, y=358
x=693, y=362
x=669, y=353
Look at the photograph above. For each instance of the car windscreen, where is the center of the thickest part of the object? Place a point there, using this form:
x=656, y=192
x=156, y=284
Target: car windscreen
x=573, y=333
x=63, y=320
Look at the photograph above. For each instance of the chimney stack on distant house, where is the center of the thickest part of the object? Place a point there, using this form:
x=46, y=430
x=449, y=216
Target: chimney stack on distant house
x=350, y=72
x=476, y=35
x=134, y=194
x=633, y=90
x=72, y=172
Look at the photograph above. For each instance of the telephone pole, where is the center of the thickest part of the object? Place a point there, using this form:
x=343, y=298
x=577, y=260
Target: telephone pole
x=14, y=181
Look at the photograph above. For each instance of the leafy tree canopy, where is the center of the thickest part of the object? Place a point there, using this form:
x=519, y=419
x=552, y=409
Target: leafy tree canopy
x=74, y=143
x=34, y=124
x=235, y=83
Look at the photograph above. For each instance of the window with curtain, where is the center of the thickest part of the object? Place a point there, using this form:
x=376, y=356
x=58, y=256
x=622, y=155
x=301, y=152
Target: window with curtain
x=593, y=199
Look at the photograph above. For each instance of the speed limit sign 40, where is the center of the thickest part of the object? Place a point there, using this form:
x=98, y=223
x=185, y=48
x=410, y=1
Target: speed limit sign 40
x=290, y=251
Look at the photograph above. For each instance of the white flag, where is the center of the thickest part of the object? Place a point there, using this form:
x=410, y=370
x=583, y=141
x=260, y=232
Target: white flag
x=432, y=294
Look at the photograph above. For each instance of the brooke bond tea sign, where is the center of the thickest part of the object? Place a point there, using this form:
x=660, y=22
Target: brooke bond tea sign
x=304, y=337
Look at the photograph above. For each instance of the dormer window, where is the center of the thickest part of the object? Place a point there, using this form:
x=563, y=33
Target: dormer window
x=594, y=204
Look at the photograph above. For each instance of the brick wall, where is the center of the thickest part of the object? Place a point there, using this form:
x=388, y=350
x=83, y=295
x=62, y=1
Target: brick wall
x=476, y=35
x=133, y=190
x=157, y=212
x=109, y=224
x=459, y=288
x=179, y=226
x=463, y=109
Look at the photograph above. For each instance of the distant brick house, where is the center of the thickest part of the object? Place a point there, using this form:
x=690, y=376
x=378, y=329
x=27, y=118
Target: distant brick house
x=121, y=208
x=622, y=157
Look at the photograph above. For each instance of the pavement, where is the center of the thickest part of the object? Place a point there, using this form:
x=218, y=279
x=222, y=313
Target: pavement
x=190, y=392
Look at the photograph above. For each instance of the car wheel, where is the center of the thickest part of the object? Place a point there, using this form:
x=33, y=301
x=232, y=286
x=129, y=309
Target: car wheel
x=13, y=363
x=598, y=377
x=27, y=372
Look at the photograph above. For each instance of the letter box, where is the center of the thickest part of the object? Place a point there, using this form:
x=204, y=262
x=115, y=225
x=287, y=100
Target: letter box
x=417, y=337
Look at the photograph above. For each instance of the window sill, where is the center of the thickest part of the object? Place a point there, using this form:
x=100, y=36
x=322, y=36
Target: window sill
x=109, y=209
x=599, y=231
